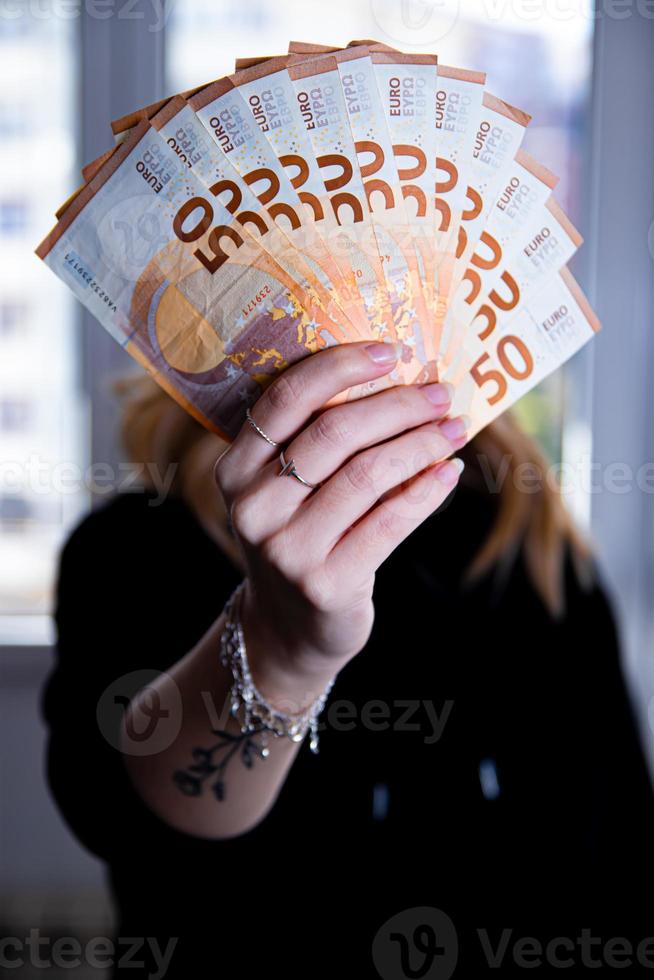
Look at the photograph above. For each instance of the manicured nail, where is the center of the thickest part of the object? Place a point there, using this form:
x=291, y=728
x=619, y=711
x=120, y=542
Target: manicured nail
x=383, y=353
x=438, y=393
x=455, y=429
x=449, y=472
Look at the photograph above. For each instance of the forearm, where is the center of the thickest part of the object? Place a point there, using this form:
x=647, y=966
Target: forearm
x=238, y=785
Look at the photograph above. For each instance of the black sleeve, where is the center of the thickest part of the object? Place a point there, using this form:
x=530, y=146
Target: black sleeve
x=623, y=801
x=135, y=591
x=603, y=784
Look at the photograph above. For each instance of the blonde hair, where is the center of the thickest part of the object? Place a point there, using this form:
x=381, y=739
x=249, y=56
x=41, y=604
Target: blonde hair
x=156, y=430
x=532, y=518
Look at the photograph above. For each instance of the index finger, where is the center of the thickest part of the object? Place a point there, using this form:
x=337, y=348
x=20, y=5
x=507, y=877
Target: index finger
x=287, y=404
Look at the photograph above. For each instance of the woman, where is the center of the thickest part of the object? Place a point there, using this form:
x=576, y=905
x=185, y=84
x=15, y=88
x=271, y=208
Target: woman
x=477, y=750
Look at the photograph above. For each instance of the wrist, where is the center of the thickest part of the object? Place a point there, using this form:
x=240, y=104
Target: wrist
x=291, y=679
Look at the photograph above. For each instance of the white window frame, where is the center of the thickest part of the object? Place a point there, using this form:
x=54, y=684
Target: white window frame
x=618, y=273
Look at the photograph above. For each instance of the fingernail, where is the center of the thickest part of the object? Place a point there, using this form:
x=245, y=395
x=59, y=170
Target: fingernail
x=438, y=393
x=382, y=353
x=449, y=472
x=455, y=429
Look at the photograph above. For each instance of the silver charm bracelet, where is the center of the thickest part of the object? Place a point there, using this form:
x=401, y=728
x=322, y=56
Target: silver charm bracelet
x=246, y=699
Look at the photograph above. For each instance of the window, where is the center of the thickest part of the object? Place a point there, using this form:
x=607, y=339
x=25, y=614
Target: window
x=14, y=414
x=535, y=56
x=13, y=317
x=15, y=511
x=39, y=420
x=13, y=120
x=13, y=217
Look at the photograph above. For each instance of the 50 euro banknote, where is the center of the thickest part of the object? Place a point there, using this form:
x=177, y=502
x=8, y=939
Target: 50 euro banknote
x=522, y=349
x=327, y=111
x=387, y=277
x=246, y=155
x=269, y=93
x=278, y=183
x=181, y=285
x=543, y=246
x=526, y=189
x=184, y=133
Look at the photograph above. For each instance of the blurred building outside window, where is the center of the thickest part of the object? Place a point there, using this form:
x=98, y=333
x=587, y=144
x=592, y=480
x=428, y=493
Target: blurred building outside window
x=40, y=415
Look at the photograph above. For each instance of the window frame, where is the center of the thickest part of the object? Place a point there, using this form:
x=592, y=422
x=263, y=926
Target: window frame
x=618, y=274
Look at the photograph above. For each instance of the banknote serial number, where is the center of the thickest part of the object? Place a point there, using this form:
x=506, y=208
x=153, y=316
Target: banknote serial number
x=256, y=301
x=78, y=269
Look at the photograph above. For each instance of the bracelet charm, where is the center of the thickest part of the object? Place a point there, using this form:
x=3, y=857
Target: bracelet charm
x=248, y=702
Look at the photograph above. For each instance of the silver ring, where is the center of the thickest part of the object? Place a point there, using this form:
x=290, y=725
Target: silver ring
x=288, y=469
x=258, y=429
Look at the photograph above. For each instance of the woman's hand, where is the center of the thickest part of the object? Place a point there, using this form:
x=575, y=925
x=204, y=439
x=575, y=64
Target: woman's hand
x=311, y=555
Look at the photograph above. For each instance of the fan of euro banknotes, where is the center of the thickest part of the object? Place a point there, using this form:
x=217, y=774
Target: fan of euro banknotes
x=321, y=197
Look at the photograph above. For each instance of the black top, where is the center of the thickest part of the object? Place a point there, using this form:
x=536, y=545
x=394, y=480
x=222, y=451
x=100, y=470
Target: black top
x=530, y=810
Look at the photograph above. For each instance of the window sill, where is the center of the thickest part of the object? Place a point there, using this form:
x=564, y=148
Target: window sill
x=26, y=631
